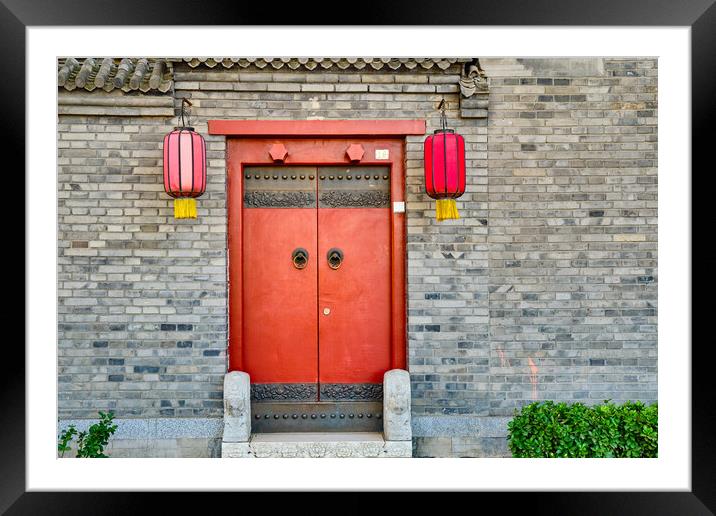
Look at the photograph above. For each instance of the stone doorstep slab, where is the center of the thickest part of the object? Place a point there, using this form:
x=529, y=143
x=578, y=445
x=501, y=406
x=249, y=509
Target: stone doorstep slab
x=317, y=445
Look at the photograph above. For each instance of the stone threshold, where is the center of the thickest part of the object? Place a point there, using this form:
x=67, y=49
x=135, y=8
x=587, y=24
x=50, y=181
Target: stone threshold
x=317, y=445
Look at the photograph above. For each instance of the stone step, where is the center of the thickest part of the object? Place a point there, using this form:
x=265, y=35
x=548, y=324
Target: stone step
x=317, y=445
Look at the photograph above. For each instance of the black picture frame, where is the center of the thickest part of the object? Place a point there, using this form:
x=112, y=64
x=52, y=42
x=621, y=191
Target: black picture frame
x=700, y=15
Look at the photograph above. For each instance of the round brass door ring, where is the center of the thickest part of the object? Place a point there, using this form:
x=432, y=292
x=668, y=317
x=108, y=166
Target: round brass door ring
x=335, y=257
x=299, y=258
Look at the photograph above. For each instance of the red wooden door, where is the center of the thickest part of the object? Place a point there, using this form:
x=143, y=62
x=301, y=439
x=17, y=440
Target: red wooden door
x=323, y=331
x=354, y=327
x=280, y=330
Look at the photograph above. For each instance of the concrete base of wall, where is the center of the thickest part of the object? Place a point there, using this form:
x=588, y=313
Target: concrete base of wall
x=158, y=448
x=165, y=448
x=213, y=448
x=460, y=436
x=433, y=436
x=460, y=447
x=158, y=437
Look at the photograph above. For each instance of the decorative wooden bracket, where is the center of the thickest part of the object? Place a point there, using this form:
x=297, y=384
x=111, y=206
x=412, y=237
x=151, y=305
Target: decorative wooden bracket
x=278, y=152
x=355, y=152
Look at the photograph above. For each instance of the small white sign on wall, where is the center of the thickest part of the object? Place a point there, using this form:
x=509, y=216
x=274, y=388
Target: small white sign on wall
x=382, y=154
x=399, y=207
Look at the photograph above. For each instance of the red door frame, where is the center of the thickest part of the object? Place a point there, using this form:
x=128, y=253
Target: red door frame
x=316, y=142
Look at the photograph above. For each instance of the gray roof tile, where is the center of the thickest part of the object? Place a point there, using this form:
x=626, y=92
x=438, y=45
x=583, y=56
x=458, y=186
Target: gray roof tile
x=146, y=74
x=313, y=63
x=128, y=74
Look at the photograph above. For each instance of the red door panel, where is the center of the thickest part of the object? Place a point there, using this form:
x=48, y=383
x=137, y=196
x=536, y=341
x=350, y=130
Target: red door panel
x=355, y=335
x=279, y=300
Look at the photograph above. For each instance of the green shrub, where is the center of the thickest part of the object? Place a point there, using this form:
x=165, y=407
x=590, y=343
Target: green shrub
x=90, y=444
x=549, y=429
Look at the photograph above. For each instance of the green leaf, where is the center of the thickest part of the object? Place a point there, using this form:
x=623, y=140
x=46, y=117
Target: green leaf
x=548, y=429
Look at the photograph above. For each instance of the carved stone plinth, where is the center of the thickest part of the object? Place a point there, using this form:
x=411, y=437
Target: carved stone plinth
x=317, y=445
x=396, y=405
x=395, y=441
x=237, y=407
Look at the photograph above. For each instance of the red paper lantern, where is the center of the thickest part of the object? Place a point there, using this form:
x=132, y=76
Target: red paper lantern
x=184, y=168
x=444, y=153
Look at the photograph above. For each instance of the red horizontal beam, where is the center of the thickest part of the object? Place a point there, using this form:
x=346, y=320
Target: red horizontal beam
x=317, y=127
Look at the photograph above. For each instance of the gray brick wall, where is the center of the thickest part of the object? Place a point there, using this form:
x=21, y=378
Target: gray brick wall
x=546, y=288
x=142, y=297
x=572, y=191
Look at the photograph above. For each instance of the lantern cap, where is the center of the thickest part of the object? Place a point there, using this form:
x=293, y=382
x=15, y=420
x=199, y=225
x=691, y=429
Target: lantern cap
x=438, y=131
x=184, y=127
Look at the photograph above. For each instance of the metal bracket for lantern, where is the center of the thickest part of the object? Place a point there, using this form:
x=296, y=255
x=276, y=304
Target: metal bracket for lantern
x=185, y=102
x=443, y=116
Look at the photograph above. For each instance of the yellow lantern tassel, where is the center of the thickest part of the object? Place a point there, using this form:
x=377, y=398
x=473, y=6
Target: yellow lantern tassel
x=446, y=209
x=185, y=208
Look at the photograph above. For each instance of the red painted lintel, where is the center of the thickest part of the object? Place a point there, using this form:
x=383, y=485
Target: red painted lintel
x=309, y=128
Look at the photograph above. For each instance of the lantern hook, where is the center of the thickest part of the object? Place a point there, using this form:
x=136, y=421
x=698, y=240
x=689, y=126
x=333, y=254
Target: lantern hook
x=184, y=102
x=443, y=118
